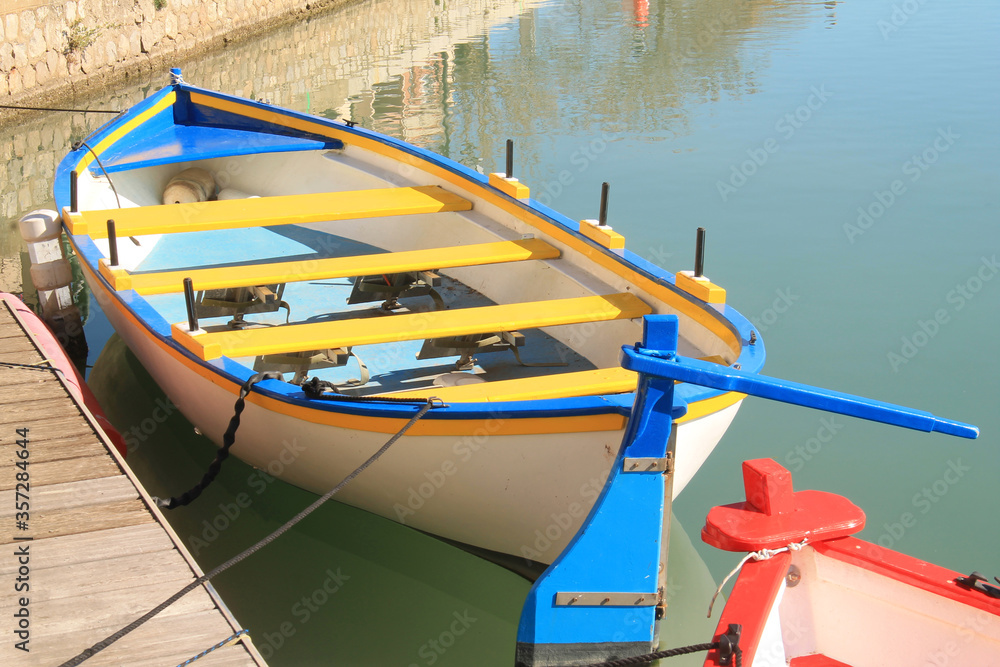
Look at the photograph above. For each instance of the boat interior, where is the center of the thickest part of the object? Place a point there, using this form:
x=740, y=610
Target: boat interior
x=373, y=276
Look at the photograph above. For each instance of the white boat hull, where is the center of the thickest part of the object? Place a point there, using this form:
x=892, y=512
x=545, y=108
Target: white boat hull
x=514, y=494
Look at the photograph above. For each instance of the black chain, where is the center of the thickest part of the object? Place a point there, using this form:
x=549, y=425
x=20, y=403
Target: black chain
x=228, y=438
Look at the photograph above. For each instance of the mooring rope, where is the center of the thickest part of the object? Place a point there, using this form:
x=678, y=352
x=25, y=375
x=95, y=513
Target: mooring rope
x=225, y=642
x=34, y=367
x=317, y=389
x=106, y=642
x=763, y=554
x=24, y=108
x=737, y=654
x=83, y=142
x=228, y=438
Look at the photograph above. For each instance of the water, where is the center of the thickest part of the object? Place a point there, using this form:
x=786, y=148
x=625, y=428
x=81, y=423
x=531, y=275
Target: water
x=770, y=124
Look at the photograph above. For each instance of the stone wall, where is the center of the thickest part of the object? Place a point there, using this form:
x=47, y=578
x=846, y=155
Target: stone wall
x=51, y=48
x=327, y=65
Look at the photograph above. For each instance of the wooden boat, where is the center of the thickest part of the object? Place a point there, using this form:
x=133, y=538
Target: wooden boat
x=838, y=601
x=831, y=601
x=317, y=248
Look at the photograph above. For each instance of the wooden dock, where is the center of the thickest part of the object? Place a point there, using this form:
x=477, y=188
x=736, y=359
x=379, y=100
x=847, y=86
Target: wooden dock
x=93, y=552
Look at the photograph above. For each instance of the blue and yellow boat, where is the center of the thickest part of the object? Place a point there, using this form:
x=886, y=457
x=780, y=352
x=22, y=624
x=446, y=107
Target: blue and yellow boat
x=362, y=268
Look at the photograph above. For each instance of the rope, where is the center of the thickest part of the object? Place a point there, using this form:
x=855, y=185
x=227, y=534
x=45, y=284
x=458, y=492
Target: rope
x=315, y=388
x=83, y=142
x=228, y=438
x=22, y=108
x=104, y=643
x=763, y=554
x=669, y=653
x=33, y=367
x=225, y=642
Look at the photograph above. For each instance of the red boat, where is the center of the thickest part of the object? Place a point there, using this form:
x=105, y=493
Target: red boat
x=56, y=356
x=809, y=595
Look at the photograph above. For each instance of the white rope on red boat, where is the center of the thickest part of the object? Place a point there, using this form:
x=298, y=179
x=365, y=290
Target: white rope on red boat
x=763, y=554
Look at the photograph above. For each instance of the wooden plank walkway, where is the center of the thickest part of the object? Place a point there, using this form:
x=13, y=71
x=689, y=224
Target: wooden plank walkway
x=100, y=554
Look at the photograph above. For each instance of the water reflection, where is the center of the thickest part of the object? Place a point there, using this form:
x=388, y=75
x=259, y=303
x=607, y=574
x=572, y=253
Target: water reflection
x=403, y=68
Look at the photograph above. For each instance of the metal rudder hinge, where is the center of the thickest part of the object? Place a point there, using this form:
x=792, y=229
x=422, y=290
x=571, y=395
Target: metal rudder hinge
x=649, y=464
x=607, y=599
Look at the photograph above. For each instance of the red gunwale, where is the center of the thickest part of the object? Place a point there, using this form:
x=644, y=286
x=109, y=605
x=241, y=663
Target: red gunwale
x=750, y=604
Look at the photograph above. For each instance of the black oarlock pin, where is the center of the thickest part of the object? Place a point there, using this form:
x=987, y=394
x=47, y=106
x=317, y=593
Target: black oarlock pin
x=112, y=244
x=189, y=302
x=510, y=158
x=72, y=191
x=699, y=253
x=602, y=218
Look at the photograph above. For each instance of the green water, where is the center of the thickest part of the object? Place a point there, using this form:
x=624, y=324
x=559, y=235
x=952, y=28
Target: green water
x=770, y=124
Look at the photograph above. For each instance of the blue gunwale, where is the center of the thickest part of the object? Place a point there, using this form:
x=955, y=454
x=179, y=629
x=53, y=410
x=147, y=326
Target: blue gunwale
x=751, y=358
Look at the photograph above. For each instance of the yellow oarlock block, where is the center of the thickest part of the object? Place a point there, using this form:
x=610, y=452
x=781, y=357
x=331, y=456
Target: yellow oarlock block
x=510, y=186
x=116, y=276
x=265, y=211
x=336, y=267
x=560, y=385
x=603, y=234
x=410, y=326
x=700, y=287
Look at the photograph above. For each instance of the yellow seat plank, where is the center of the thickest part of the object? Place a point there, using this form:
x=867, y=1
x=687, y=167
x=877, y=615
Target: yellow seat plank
x=337, y=267
x=411, y=326
x=264, y=211
x=561, y=385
